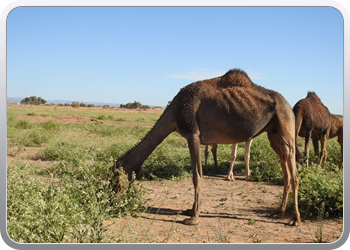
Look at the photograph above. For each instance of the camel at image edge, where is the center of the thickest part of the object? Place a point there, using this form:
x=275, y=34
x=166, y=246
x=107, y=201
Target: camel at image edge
x=222, y=110
x=311, y=118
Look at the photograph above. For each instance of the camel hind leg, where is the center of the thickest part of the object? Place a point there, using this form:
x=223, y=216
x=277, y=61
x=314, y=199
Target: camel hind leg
x=285, y=149
x=324, y=152
x=214, y=150
x=306, y=152
x=206, y=154
x=232, y=161
x=248, y=144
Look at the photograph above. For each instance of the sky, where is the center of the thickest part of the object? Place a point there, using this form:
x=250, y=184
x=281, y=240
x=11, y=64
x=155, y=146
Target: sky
x=147, y=54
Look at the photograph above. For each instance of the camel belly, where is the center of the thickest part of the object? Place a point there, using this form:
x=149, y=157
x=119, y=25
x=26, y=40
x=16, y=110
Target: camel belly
x=218, y=139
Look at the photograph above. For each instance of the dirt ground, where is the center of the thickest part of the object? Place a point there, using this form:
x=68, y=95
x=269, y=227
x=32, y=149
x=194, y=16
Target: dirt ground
x=231, y=211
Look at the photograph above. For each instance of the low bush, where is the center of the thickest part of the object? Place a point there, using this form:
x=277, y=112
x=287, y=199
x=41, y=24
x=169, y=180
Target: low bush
x=50, y=125
x=320, y=187
x=23, y=124
x=65, y=207
x=34, y=138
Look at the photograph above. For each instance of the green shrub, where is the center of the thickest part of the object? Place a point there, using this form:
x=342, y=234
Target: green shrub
x=65, y=209
x=319, y=186
x=264, y=162
x=34, y=138
x=23, y=124
x=63, y=151
x=50, y=125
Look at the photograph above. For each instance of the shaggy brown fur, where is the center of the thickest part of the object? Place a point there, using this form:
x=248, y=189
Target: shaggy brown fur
x=336, y=130
x=230, y=176
x=223, y=110
x=311, y=116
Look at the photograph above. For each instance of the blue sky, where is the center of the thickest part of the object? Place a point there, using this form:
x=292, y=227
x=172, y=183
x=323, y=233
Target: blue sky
x=146, y=54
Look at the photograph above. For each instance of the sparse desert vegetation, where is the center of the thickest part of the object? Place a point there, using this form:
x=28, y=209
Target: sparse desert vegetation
x=58, y=189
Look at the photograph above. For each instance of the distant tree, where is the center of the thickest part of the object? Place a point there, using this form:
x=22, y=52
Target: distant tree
x=134, y=105
x=82, y=105
x=33, y=100
x=75, y=104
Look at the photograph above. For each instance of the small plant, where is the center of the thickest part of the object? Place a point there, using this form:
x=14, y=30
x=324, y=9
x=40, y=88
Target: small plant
x=251, y=222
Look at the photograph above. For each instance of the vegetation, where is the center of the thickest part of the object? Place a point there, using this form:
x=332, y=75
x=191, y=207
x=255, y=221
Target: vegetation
x=134, y=105
x=33, y=100
x=62, y=193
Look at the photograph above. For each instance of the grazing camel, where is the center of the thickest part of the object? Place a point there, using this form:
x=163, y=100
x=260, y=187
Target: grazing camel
x=222, y=110
x=311, y=116
x=232, y=161
x=335, y=130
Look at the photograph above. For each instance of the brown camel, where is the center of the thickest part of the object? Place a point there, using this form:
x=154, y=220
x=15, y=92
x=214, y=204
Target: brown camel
x=311, y=116
x=223, y=110
x=335, y=130
x=232, y=161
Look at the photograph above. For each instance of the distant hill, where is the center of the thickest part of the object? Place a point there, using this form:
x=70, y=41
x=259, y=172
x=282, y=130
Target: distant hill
x=18, y=100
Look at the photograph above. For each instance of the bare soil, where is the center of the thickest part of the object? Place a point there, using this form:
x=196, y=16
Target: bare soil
x=231, y=211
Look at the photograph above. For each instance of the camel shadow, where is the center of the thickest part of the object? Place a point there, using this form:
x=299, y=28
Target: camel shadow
x=174, y=213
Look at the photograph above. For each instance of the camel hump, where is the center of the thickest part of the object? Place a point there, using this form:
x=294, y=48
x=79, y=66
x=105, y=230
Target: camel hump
x=312, y=95
x=236, y=77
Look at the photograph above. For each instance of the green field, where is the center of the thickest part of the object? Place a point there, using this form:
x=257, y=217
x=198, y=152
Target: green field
x=58, y=173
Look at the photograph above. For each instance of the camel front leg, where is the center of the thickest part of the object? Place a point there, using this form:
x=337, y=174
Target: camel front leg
x=233, y=158
x=195, y=146
x=248, y=144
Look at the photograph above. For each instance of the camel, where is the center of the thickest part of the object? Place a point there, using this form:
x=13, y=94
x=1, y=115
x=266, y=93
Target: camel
x=232, y=161
x=311, y=116
x=335, y=130
x=222, y=110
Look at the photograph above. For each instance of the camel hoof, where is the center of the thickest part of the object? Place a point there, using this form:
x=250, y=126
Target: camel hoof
x=295, y=222
x=230, y=178
x=248, y=178
x=191, y=221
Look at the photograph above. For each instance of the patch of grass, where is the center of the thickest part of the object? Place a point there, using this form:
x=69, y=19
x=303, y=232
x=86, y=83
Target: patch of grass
x=63, y=151
x=23, y=124
x=50, y=125
x=34, y=138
